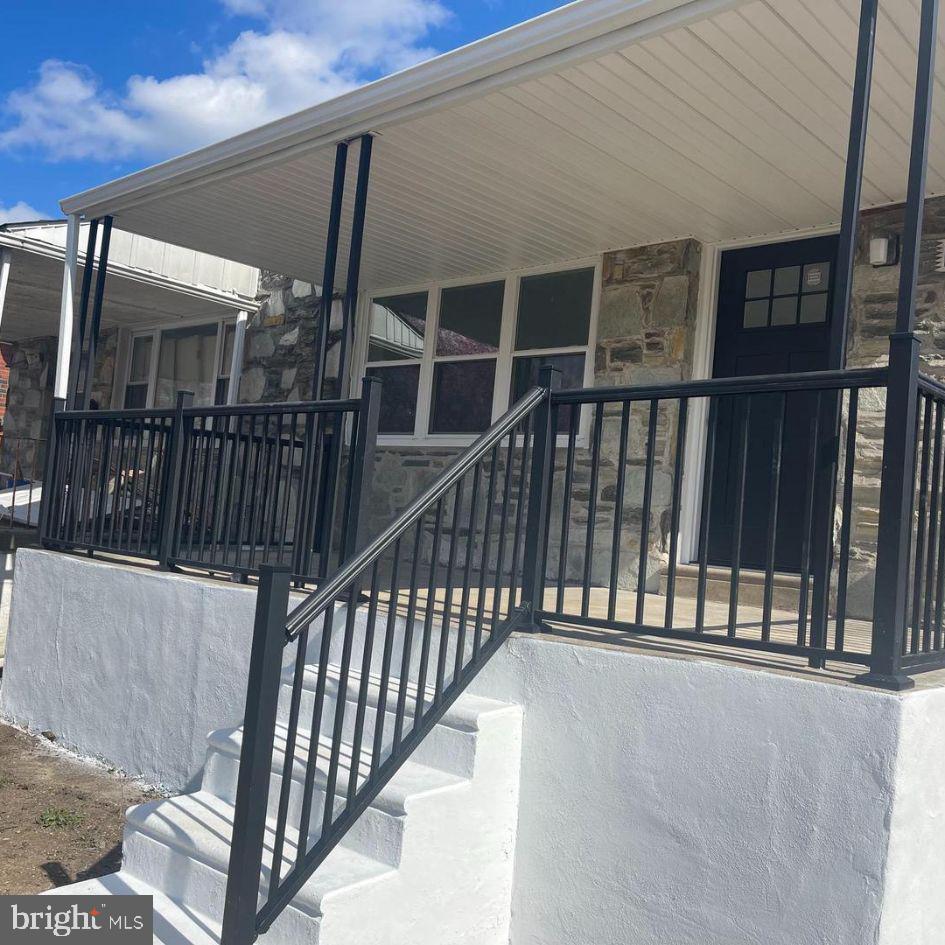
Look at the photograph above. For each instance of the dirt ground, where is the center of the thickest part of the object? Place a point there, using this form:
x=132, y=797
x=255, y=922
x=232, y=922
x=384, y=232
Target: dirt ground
x=60, y=819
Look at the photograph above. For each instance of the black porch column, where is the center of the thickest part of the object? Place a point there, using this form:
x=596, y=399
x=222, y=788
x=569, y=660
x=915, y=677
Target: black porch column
x=331, y=258
x=95, y=327
x=899, y=446
x=354, y=263
x=78, y=323
x=827, y=454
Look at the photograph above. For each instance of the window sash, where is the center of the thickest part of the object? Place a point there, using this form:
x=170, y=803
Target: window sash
x=504, y=357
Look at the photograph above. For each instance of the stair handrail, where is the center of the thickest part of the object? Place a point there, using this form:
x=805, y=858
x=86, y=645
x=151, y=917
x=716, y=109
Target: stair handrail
x=527, y=423
x=314, y=605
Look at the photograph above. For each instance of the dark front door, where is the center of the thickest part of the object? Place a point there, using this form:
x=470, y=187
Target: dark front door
x=773, y=317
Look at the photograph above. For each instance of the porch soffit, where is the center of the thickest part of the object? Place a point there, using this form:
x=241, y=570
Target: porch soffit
x=31, y=308
x=716, y=120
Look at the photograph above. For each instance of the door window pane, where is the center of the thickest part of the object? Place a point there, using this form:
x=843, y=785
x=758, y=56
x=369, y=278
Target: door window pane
x=462, y=396
x=187, y=360
x=784, y=311
x=813, y=308
x=136, y=396
x=756, y=314
x=786, y=280
x=759, y=284
x=470, y=319
x=397, y=327
x=398, y=412
x=554, y=310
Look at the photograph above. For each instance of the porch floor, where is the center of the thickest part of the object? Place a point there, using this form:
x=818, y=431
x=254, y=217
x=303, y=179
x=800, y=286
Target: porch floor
x=783, y=626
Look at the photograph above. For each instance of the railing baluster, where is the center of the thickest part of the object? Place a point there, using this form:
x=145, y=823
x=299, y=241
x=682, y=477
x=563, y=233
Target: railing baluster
x=774, y=508
x=467, y=570
x=618, y=511
x=682, y=420
x=520, y=510
x=407, y=654
x=380, y=714
x=566, y=507
x=448, y=599
x=591, y=509
x=920, y=539
x=646, y=511
x=430, y=611
x=367, y=655
x=708, y=482
x=808, y=524
x=503, y=524
x=741, y=469
x=486, y=548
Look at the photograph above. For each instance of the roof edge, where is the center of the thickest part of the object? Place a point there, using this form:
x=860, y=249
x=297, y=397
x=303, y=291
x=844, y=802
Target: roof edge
x=579, y=30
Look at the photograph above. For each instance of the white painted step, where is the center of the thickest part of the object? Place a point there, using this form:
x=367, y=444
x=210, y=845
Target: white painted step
x=174, y=924
x=196, y=828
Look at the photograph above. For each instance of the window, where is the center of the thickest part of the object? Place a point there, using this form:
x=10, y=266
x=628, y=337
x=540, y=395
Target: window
x=790, y=295
x=139, y=373
x=397, y=333
x=452, y=358
x=163, y=362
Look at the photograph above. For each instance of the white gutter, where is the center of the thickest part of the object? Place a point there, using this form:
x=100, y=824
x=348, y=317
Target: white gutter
x=41, y=248
x=579, y=31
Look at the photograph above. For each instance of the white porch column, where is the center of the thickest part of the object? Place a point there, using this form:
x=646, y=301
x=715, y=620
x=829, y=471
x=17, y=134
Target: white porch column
x=67, y=306
x=236, y=361
x=6, y=258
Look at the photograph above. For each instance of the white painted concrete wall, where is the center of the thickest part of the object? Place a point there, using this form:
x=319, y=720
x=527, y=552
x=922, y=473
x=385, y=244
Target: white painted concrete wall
x=124, y=664
x=663, y=801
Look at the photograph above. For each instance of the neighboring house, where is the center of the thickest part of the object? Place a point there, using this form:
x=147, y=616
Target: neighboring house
x=618, y=413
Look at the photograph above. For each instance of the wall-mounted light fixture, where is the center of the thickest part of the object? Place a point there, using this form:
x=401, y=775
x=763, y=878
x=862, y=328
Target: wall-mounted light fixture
x=884, y=251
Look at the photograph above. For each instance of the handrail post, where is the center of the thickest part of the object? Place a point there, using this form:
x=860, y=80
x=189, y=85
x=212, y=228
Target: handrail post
x=897, y=490
x=362, y=459
x=48, y=495
x=252, y=789
x=174, y=475
x=536, y=530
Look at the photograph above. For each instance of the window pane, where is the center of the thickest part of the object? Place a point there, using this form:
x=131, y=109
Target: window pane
x=136, y=396
x=813, y=308
x=784, y=311
x=187, y=361
x=759, y=284
x=140, y=360
x=525, y=376
x=786, y=280
x=397, y=327
x=462, y=396
x=554, y=310
x=816, y=277
x=398, y=397
x=223, y=384
x=470, y=319
x=226, y=355
x=756, y=314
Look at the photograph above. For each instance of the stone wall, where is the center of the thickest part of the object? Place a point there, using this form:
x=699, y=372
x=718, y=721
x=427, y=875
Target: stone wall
x=29, y=401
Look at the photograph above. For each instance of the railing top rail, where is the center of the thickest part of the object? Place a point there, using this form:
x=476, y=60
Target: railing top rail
x=774, y=383
x=142, y=413
x=931, y=386
x=315, y=603
x=302, y=406
x=233, y=410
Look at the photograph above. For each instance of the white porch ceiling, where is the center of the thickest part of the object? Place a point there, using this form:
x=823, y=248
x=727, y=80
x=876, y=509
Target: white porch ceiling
x=716, y=119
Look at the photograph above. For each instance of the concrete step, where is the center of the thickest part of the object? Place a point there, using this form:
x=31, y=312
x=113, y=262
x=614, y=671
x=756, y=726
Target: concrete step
x=786, y=587
x=174, y=924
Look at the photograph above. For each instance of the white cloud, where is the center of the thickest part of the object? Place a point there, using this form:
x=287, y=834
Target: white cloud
x=20, y=212
x=304, y=52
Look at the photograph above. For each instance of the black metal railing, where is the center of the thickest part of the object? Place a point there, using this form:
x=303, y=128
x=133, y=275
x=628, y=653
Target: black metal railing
x=216, y=488
x=769, y=453
x=923, y=645
x=446, y=583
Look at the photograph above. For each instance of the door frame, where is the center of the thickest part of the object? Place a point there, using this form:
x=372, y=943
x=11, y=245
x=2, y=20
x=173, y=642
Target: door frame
x=702, y=360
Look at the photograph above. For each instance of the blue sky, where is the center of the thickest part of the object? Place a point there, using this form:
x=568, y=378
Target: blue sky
x=93, y=90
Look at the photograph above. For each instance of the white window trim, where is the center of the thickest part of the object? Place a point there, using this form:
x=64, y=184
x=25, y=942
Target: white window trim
x=154, y=332
x=503, y=357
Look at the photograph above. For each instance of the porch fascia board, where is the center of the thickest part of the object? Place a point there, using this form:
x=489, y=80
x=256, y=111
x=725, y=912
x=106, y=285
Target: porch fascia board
x=572, y=34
